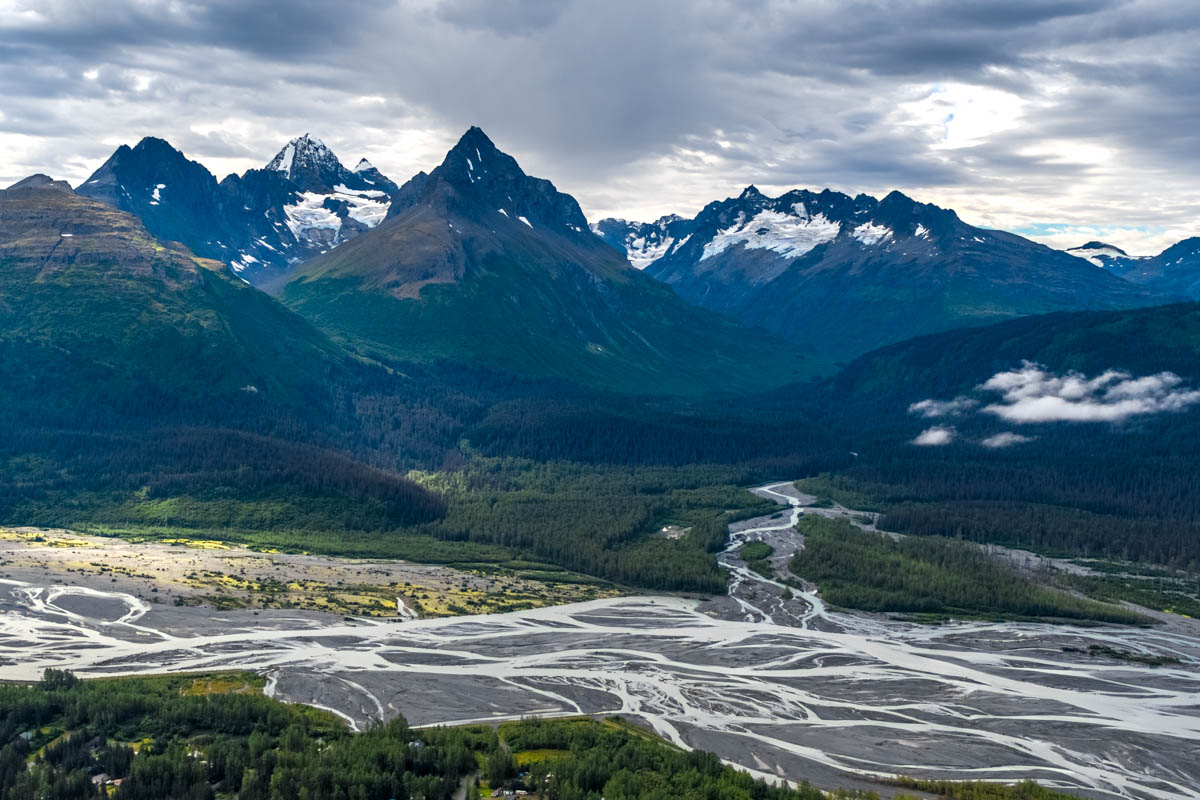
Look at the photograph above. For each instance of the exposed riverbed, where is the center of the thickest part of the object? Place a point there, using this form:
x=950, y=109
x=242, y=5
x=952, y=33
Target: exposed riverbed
x=781, y=687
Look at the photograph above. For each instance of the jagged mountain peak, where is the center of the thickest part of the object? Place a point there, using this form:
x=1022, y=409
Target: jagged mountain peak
x=476, y=159
x=299, y=147
x=141, y=178
x=157, y=146
x=897, y=196
x=309, y=163
x=491, y=182
x=363, y=166
x=477, y=141
x=643, y=243
x=150, y=154
x=259, y=223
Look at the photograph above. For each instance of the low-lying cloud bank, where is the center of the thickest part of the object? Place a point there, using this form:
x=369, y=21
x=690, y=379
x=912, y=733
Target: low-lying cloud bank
x=1005, y=439
x=931, y=409
x=1032, y=394
x=936, y=436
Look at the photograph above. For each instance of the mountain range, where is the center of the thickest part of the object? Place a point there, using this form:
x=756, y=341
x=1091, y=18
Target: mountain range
x=261, y=223
x=487, y=265
x=478, y=263
x=849, y=274
x=1174, y=271
x=99, y=319
x=482, y=332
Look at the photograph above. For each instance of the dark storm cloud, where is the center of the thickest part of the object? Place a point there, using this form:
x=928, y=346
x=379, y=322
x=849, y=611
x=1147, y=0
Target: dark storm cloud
x=297, y=27
x=644, y=106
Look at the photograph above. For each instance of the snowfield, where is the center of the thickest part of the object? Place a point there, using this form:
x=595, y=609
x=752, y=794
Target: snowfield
x=790, y=235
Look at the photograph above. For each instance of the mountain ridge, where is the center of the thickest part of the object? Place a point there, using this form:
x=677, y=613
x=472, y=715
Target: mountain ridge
x=795, y=264
x=488, y=264
x=1176, y=270
x=259, y=223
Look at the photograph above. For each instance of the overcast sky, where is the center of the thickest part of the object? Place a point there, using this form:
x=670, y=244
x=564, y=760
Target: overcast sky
x=1064, y=120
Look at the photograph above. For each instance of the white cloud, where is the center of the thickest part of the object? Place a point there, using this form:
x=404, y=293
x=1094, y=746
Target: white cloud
x=1006, y=439
x=954, y=116
x=943, y=408
x=936, y=436
x=1031, y=394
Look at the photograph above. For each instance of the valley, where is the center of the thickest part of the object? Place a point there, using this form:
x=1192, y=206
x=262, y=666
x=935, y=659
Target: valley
x=691, y=401
x=783, y=687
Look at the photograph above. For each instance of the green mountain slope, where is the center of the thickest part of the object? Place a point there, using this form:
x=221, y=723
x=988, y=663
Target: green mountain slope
x=491, y=267
x=1088, y=479
x=1142, y=341
x=132, y=366
x=85, y=287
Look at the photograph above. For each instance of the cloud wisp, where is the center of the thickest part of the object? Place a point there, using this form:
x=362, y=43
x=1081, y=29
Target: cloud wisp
x=1005, y=439
x=1032, y=394
x=931, y=409
x=936, y=436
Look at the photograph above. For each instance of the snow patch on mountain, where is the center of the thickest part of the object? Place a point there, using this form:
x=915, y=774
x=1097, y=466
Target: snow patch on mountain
x=790, y=235
x=870, y=234
x=1096, y=253
x=642, y=251
x=310, y=215
x=244, y=260
x=285, y=159
x=313, y=221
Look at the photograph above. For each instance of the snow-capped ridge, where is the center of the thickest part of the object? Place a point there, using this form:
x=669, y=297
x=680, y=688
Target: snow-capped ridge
x=1096, y=245
x=306, y=149
x=1099, y=253
x=791, y=235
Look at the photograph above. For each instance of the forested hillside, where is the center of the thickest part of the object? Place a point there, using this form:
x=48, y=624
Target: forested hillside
x=149, y=392
x=929, y=576
x=1107, y=483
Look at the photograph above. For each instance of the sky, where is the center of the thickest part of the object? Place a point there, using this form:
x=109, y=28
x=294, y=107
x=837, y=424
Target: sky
x=1062, y=120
